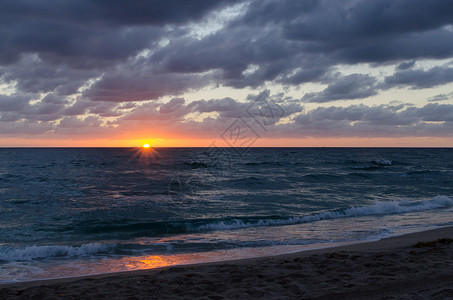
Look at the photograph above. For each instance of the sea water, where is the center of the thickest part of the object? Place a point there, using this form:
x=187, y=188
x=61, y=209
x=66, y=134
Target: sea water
x=70, y=212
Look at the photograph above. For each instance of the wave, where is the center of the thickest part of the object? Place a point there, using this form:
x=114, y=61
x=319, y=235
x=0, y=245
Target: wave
x=128, y=229
x=376, y=162
x=382, y=162
x=379, y=208
x=41, y=252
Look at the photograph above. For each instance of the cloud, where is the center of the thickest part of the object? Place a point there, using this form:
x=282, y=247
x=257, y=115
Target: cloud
x=13, y=102
x=390, y=120
x=214, y=116
x=434, y=112
x=58, y=48
x=95, y=61
x=29, y=128
x=32, y=75
x=374, y=31
x=292, y=43
x=48, y=109
x=406, y=65
x=226, y=108
x=88, y=29
x=203, y=118
x=355, y=86
x=130, y=84
x=355, y=19
x=154, y=113
x=440, y=97
x=374, y=121
x=50, y=47
x=418, y=78
x=16, y=107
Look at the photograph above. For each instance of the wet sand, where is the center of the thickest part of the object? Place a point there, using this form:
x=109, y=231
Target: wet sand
x=412, y=266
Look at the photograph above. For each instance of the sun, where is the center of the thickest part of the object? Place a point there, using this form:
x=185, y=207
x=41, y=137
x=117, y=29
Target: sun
x=145, y=154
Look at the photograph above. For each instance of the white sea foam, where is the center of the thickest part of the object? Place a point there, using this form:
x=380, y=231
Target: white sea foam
x=378, y=208
x=39, y=252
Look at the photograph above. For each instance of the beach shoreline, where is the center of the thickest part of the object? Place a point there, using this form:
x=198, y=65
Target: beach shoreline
x=391, y=266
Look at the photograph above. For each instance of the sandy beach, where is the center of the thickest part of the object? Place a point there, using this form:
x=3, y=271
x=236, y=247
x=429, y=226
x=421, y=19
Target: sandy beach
x=412, y=266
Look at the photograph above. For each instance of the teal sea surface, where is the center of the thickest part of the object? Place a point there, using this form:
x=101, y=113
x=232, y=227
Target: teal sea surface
x=69, y=212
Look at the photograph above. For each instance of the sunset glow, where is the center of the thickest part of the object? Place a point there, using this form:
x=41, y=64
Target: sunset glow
x=190, y=78
x=149, y=134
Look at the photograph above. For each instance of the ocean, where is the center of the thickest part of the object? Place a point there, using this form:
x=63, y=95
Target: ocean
x=77, y=211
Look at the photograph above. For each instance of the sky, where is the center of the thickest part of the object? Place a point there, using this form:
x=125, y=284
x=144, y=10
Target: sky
x=313, y=73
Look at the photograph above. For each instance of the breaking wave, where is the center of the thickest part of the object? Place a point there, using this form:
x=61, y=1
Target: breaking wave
x=378, y=208
x=41, y=252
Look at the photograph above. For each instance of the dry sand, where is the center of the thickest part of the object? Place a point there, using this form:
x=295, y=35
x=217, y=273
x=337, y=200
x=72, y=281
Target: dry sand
x=393, y=268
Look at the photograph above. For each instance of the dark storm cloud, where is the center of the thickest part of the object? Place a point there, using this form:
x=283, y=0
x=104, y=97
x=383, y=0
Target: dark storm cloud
x=375, y=31
x=81, y=57
x=16, y=107
x=79, y=107
x=50, y=108
x=290, y=42
x=434, y=112
x=307, y=74
x=354, y=86
x=440, y=97
x=47, y=109
x=49, y=46
x=98, y=12
x=230, y=51
x=105, y=109
x=13, y=102
x=138, y=83
x=15, y=128
x=88, y=28
x=32, y=75
x=374, y=121
x=298, y=41
x=317, y=20
x=405, y=65
x=418, y=79
x=383, y=114
x=77, y=45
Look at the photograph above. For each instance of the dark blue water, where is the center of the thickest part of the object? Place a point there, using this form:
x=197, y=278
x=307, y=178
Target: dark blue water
x=99, y=210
